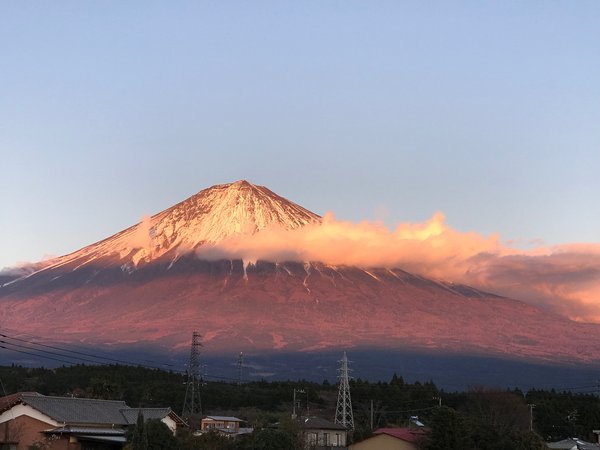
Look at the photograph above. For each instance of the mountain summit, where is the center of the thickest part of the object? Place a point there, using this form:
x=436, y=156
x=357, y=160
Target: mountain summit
x=233, y=209
x=211, y=215
x=219, y=212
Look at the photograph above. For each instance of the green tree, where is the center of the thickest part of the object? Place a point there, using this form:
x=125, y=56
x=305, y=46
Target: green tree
x=159, y=436
x=207, y=441
x=139, y=439
x=448, y=431
x=270, y=439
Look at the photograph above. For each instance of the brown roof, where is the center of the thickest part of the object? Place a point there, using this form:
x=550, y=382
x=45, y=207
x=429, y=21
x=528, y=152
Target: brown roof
x=406, y=434
x=9, y=401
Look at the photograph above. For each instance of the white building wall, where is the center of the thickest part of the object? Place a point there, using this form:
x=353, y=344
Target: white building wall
x=26, y=410
x=317, y=437
x=170, y=423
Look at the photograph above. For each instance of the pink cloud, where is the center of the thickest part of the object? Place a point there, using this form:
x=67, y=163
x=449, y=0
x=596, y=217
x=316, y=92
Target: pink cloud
x=564, y=278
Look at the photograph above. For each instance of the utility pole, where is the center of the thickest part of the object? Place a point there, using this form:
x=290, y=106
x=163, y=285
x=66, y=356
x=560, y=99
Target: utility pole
x=192, y=405
x=240, y=367
x=531, y=406
x=343, y=413
x=371, y=415
x=299, y=391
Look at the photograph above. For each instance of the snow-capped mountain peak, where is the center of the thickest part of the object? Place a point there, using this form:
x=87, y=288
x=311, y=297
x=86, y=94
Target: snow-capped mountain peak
x=211, y=215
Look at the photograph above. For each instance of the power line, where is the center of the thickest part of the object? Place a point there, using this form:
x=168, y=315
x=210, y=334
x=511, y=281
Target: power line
x=180, y=371
x=50, y=352
x=160, y=363
x=64, y=349
x=154, y=364
x=77, y=359
x=72, y=359
x=39, y=356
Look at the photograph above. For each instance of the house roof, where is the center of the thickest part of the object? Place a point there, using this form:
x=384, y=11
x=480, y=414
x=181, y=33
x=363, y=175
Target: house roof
x=85, y=411
x=131, y=414
x=9, y=401
x=319, y=423
x=96, y=434
x=406, y=434
x=87, y=430
x=564, y=444
x=78, y=410
x=101, y=438
x=223, y=418
x=587, y=446
x=572, y=444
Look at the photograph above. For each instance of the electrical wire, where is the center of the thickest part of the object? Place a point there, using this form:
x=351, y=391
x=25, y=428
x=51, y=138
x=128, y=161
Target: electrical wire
x=50, y=352
x=65, y=350
x=76, y=352
x=160, y=365
x=72, y=360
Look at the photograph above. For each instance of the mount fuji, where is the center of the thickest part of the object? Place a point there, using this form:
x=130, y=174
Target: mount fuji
x=150, y=284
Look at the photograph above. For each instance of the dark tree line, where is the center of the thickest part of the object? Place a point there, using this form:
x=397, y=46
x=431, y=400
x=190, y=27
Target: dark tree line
x=482, y=415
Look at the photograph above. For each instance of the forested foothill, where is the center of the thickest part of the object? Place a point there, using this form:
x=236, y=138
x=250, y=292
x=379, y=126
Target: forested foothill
x=480, y=418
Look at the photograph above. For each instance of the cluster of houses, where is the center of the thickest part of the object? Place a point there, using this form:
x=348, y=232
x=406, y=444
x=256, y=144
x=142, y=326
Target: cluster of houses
x=31, y=420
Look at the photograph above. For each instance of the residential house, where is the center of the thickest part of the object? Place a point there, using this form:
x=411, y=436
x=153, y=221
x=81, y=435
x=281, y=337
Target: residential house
x=227, y=423
x=322, y=434
x=573, y=444
x=392, y=439
x=68, y=423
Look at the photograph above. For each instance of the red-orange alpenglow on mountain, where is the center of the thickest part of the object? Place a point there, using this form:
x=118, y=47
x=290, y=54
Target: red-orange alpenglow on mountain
x=251, y=271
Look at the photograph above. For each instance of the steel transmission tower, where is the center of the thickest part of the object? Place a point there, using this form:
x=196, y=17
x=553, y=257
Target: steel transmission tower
x=192, y=406
x=343, y=413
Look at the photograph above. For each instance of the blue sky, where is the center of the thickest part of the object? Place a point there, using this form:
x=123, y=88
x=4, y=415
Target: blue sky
x=486, y=111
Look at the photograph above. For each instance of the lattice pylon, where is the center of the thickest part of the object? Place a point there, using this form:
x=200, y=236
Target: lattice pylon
x=343, y=414
x=192, y=404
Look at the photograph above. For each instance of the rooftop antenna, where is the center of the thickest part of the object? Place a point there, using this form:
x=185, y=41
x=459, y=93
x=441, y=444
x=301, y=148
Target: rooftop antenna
x=192, y=405
x=343, y=413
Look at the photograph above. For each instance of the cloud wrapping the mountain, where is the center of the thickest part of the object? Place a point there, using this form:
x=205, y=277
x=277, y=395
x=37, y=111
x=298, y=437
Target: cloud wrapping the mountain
x=565, y=278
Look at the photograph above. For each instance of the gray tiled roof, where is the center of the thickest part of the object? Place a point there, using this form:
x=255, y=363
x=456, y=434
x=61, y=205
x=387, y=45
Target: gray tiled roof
x=101, y=438
x=131, y=414
x=86, y=412
x=88, y=430
x=224, y=418
x=572, y=444
x=319, y=423
x=79, y=410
